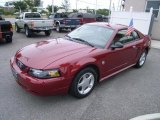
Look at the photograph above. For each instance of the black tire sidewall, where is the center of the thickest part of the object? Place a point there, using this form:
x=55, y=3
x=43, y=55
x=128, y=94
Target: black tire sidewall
x=17, y=28
x=74, y=90
x=29, y=32
x=138, y=63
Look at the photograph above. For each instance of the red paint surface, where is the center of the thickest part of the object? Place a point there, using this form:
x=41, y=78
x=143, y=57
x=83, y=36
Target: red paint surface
x=70, y=57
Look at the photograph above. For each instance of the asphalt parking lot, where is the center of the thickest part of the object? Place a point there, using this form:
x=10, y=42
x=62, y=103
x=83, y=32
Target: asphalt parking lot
x=129, y=94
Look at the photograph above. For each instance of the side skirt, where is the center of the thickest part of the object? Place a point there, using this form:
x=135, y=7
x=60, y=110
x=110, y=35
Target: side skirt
x=116, y=72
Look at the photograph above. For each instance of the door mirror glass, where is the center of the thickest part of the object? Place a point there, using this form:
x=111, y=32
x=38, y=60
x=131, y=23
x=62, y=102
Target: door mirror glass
x=117, y=45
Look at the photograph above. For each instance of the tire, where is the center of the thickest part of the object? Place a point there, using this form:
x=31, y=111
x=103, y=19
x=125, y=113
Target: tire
x=141, y=60
x=48, y=32
x=28, y=32
x=17, y=29
x=82, y=86
x=9, y=40
x=58, y=29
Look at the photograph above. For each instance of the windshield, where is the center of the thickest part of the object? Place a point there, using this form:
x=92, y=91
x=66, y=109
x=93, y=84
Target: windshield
x=96, y=35
x=32, y=15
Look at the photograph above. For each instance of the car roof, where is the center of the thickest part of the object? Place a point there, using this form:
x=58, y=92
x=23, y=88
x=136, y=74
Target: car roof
x=108, y=25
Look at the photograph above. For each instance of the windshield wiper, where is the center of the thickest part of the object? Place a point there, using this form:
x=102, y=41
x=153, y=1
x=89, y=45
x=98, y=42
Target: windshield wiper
x=81, y=40
x=69, y=38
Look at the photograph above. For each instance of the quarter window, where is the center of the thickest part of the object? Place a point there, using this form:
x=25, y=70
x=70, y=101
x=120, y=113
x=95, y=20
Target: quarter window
x=155, y=4
x=121, y=37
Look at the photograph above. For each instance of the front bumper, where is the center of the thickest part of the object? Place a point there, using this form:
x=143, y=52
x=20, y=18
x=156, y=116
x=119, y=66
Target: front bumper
x=37, y=86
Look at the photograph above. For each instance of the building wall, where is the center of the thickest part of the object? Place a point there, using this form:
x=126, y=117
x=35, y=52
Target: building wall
x=139, y=6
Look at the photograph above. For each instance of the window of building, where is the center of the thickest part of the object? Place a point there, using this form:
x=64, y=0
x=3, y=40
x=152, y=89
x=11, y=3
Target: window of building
x=155, y=4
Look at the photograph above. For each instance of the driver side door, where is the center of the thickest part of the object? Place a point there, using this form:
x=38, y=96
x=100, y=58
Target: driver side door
x=121, y=58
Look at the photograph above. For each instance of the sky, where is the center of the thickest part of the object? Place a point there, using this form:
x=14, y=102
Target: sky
x=81, y=3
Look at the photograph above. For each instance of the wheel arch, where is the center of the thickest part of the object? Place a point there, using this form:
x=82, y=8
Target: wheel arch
x=91, y=65
x=147, y=49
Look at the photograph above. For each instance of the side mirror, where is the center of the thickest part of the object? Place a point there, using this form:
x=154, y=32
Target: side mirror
x=117, y=45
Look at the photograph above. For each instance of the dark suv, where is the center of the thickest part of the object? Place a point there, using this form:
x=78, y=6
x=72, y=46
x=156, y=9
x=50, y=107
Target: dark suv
x=6, y=30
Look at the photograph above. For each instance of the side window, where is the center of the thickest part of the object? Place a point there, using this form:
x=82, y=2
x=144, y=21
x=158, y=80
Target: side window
x=123, y=38
x=57, y=16
x=135, y=35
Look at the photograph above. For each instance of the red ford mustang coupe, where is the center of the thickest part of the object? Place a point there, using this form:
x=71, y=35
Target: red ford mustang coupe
x=78, y=61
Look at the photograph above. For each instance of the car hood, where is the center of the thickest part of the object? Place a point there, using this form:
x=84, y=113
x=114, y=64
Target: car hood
x=43, y=53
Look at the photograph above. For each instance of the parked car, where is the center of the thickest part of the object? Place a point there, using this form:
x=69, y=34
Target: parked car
x=99, y=18
x=32, y=22
x=84, y=17
x=78, y=61
x=61, y=21
x=6, y=30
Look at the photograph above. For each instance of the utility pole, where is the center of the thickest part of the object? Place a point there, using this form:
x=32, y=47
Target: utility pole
x=52, y=6
x=76, y=4
x=110, y=5
x=96, y=8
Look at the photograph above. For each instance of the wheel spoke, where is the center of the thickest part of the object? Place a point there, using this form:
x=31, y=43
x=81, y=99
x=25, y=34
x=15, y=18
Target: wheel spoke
x=86, y=83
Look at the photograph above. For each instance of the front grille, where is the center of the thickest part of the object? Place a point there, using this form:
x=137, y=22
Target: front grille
x=21, y=65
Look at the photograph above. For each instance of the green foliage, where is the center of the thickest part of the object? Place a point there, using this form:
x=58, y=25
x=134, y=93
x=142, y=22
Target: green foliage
x=20, y=5
x=49, y=8
x=1, y=11
x=103, y=12
x=4, y=12
x=74, y=10
x=30, y=4
x=66, y=5
x=37, y=3
x=34, y=9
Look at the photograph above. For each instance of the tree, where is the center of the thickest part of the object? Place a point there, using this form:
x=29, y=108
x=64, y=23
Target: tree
x=66, y=5
x=75, y=11
x=20, y=5
x=103, y=12
x=49, y=8
x=30, y=4
x=37, y=3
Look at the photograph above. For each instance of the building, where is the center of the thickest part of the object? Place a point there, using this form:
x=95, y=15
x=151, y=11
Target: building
x=144, y=6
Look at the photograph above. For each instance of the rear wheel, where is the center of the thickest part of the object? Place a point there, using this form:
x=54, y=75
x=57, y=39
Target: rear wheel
x=58, y=29
x=48, y=32
x=17, y=28
x=28, y=32
x=141, y=60
x=9, y=39
x=84, y=83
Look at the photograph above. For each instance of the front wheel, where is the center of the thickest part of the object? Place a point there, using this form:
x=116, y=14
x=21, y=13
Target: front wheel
x=84, y=83
x=141, y=60
x=9, y=39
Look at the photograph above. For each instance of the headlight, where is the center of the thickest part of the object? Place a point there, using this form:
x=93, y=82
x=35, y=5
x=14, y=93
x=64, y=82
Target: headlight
x=44, y=73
